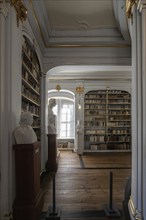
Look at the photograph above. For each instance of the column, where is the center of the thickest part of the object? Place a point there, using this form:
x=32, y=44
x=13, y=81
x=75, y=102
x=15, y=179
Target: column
x=10, y=100
x=138, y=35
x=4, y=206
x=79, y=116
x=44, y=113
x=142, y=8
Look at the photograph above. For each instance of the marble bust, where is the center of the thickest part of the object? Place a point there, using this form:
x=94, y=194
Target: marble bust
x=51, y=117
x=24, y=134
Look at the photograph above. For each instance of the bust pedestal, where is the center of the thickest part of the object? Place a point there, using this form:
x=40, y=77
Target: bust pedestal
x=53, y=154
x=29, y=197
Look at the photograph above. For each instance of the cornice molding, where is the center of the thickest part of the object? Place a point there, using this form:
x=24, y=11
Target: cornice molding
x=3, y=8
x=134, y=212
x=21, y=11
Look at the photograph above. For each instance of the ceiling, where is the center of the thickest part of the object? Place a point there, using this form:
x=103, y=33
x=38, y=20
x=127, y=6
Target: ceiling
x=78, y=24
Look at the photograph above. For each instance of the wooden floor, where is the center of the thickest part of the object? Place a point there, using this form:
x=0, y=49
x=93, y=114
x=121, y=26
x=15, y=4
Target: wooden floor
x=82, y=184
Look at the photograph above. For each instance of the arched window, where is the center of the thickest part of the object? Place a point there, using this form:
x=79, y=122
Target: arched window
x=64, y=110
x=65, y=114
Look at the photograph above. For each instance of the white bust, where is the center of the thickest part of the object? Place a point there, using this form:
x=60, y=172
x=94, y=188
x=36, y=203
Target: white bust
x=24, y=134
x=51, y=117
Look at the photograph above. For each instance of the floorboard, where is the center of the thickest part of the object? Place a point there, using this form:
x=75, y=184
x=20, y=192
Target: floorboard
x=83, y=182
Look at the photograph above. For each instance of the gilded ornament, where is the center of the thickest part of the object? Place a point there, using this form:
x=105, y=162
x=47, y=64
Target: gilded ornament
x=79, y=89
x=21, y=10
x=129, y=4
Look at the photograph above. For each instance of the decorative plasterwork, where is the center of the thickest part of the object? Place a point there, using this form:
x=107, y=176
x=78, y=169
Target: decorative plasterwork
x=129, y=4
x=21, y=10
x=134, y=212
x=141, y=5
x=3, y=8
x=104, y=37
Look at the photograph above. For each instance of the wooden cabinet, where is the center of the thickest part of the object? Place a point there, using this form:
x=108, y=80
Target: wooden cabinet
x=29, y=198
x=107, y=120
x=31, y=83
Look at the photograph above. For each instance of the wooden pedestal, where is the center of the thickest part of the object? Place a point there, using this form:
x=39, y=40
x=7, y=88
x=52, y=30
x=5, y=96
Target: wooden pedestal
x=29, y=198
x=53, y=154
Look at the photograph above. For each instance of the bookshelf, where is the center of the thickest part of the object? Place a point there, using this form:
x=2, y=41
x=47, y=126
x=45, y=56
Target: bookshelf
x=65, y=144
x=30, y=90
x=107, y=120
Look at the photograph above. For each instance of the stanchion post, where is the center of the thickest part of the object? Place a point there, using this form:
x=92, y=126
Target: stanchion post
x=53, y=212
x=54, y=194
x=111, y=191
x=109, y=210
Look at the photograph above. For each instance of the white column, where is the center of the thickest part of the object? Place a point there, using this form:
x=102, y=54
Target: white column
x=79, y=118
x=4, y=194
x=10, y=101
x=44, y=113
x=134, y=178
x=143, y=158
x=76, y=122
x=137, y=205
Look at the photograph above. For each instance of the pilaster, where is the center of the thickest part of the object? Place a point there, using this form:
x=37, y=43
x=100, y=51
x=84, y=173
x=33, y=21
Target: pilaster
x=143, y=40
x=44, y=113
x=137, y=202
x=3, y=137
x=79, y=109
x=10, y=101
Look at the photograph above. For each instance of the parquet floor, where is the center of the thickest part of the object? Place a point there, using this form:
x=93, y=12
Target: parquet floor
x=82, y=184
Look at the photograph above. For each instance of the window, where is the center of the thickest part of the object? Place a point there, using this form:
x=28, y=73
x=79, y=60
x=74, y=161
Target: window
x=64, y=111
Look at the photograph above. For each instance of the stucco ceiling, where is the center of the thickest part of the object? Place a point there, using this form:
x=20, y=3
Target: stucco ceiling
x=78, y=22
x=80, y=15
x=69, y=24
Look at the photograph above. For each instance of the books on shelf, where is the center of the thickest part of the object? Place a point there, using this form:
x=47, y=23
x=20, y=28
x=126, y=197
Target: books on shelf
x=107, y=120
x=30, y=89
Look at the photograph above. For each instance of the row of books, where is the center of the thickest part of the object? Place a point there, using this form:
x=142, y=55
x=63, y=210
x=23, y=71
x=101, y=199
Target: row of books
x=30, y=53
x=106, y=138
x=119, y=123
x=108, y=131
x=26, y=106
x=65, y=145
x=123, y=146
x=26, y=92
x=105, y=102
x=95, y=123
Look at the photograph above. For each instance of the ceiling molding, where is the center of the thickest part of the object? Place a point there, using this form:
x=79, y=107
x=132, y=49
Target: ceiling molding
x=79, y=42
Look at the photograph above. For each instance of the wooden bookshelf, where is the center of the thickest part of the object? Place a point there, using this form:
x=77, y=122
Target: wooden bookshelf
x=65, y=144
x=107, y=120
x=30, y=89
